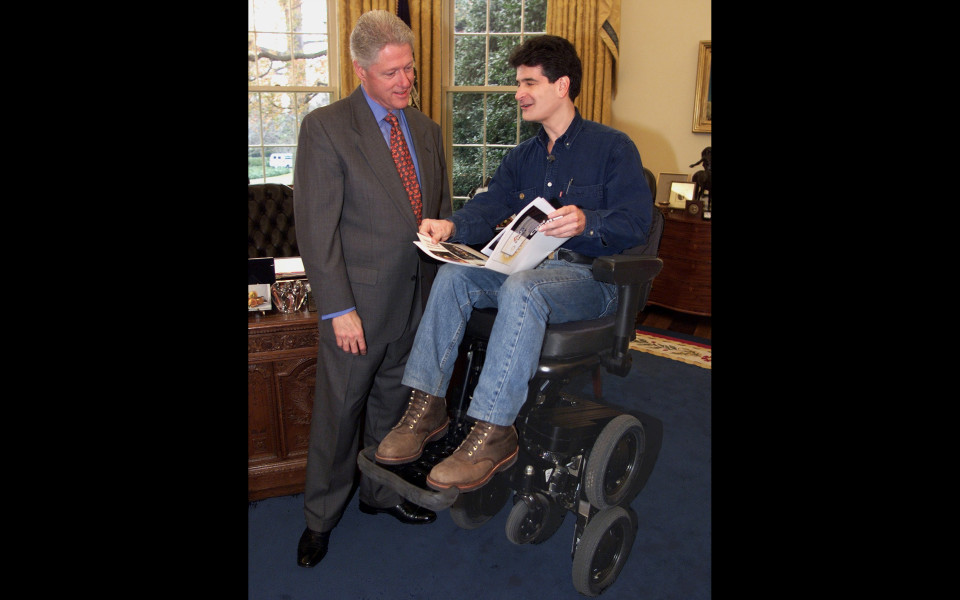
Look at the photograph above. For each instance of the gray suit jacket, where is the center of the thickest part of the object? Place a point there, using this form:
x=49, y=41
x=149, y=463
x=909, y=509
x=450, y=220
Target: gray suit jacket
x=355, y=227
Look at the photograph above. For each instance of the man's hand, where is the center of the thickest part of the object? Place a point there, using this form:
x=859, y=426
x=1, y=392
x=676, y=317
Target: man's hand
x=349, y=332
x=566, y=221
x=439, y=230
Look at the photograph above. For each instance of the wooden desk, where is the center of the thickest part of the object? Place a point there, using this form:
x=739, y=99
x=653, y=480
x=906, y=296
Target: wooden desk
x=281, y=370
x=685, y=248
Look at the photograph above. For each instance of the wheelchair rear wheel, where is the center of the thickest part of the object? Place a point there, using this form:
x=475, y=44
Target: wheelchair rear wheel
x=472, y=509
x=603, y=549
x=611, y=477
x=534, y=524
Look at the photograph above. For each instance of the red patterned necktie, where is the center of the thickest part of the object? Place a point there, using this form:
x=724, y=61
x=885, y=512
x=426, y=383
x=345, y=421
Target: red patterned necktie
x=408, y=174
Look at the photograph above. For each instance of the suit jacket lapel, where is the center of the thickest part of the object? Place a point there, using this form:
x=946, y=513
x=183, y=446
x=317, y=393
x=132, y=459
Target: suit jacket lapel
x=371, y=144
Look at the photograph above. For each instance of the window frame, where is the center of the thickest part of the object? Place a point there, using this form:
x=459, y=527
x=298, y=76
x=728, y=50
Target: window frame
x=334, y=70
x=448, y=89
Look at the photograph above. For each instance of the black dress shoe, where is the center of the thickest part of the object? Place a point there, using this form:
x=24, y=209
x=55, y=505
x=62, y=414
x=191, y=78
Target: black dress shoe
x=312, y=547
x=405, y=512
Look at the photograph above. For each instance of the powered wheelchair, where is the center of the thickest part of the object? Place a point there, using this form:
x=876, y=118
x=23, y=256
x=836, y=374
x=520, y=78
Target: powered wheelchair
x=576, y=454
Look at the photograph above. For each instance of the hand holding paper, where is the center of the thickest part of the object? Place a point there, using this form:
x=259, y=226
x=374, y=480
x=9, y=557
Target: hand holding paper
x=565, y=222
x=521, y=245
x=438, y=230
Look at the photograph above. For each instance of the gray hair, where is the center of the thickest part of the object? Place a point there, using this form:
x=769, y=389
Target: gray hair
x=374, y=30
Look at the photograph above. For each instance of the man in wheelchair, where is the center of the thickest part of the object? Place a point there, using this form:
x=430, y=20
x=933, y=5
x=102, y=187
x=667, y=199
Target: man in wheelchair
x=595, y=173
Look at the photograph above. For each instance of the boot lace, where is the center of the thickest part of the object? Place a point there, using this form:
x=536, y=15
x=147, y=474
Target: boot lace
x=475, y=438
x=419, y=401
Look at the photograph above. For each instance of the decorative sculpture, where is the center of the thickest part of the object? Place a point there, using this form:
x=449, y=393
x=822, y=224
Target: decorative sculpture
x=702, y=178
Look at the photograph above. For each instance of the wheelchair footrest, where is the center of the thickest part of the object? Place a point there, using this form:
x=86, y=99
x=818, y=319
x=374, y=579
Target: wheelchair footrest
x=410, y=480
x=389, y=477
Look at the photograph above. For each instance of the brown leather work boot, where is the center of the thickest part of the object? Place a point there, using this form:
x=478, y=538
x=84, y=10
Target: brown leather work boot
x=488, y=448
x=425, y=420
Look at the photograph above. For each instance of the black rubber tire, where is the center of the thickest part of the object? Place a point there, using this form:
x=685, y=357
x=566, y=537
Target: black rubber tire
x=611, y=477
x=473, y=509
x=603, y=549
x=533, y=525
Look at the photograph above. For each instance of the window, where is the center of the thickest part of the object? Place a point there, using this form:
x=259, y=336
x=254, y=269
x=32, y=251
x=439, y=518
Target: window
x=485, y=118
x=292, y=69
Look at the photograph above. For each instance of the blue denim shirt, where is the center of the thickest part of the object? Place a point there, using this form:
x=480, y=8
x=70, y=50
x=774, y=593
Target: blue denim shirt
x=602, y=168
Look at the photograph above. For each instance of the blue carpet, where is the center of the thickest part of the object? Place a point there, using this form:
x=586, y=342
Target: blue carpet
x=375, y=557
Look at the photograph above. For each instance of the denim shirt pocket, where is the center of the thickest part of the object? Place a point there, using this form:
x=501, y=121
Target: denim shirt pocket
x=526, y=196
x=585, y=196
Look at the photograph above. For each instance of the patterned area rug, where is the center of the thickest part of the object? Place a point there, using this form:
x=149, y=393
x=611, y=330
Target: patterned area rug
x=693, y=353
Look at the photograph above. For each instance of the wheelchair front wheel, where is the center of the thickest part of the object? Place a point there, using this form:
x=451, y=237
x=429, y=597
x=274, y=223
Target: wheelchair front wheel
x=472, y=509
x=603, y=549
x=528, y=524
x=612, y=473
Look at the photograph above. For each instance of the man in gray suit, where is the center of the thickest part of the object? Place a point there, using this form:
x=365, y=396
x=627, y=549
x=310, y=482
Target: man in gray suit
x=355, y=230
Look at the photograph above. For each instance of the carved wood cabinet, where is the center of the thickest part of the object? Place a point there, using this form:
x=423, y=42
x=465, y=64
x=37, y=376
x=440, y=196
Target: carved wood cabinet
x=281, y=368
x=685, y=248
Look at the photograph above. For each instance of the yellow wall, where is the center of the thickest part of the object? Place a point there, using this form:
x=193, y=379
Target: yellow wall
x=656, y=80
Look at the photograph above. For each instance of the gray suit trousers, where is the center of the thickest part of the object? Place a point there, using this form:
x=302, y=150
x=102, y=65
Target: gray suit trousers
x=346, y=409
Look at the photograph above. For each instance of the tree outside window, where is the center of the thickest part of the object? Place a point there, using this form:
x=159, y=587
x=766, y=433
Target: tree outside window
x=289, y=73
x=486, y=120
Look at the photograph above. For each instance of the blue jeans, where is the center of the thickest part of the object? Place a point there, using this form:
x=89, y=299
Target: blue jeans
x=554, y=292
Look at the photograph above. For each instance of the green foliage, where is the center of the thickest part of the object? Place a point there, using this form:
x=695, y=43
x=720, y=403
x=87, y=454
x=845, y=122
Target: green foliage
x=488, y=119
x=467, y=170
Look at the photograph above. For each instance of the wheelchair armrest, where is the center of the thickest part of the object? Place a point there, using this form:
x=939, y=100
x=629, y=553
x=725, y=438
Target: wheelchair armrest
x=626, y=269
x=633, y=274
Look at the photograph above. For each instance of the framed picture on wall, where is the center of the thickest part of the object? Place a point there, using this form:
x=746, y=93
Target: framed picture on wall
x=702, y=117
x=664, y=181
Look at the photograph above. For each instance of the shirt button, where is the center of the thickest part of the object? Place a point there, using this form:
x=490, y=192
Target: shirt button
x=521, y=195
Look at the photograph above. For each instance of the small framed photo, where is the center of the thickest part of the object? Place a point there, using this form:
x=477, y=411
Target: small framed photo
x=664, y=181
x=702, y=117
x=680, y=194
x=258, y=297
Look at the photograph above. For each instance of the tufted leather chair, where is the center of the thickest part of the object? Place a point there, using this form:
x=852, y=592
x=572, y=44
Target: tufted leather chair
x=270, y=227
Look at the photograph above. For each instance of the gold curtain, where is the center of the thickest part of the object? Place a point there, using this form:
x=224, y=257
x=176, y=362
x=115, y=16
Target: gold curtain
x=350, y=11
x=425, y=18
x=593, y=27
